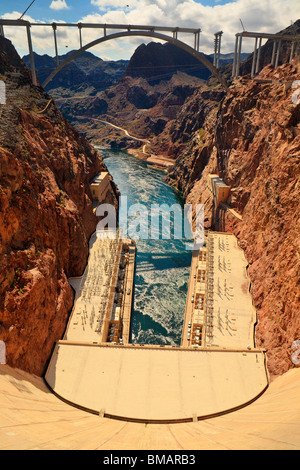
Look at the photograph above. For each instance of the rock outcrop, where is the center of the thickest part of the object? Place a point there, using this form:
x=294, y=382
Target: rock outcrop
x=46, y=215
x=156, y=62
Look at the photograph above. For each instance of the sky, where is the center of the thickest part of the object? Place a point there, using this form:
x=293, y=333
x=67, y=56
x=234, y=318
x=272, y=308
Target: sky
x=210, y=16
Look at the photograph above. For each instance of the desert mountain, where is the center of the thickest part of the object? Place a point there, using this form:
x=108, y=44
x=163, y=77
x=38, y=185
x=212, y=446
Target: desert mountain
x=86, y=74
x=156, y=62
x=156, y=83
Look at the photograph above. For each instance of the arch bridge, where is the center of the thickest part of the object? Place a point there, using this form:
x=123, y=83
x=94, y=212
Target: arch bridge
x=162, y=33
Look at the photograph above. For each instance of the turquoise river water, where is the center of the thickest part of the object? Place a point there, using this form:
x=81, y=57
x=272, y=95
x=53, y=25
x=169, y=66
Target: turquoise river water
x=162, y=265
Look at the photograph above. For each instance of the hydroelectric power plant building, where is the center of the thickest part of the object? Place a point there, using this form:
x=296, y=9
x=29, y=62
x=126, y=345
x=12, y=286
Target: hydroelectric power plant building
x=217, y=367
x=220, y=190
x=100, y=185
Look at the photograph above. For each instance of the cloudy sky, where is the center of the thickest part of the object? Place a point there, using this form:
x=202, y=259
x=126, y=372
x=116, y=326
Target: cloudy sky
x=210, y=15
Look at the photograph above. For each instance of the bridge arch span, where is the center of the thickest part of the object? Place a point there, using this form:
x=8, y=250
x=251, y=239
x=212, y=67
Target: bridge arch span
x=163, y=37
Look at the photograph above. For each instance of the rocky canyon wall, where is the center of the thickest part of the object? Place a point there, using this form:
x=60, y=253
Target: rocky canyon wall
x=252, y=140
x=46, y=215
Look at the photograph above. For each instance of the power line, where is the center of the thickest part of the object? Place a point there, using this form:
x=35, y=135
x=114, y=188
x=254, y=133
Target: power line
x=165, y=66
x=242, y=25
x=26, y=10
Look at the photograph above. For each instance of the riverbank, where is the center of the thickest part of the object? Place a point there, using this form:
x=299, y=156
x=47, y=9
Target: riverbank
x=158, y=161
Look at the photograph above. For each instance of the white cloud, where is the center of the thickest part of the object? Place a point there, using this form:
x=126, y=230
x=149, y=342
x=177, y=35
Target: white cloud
x=257, y=15
x=59, y=5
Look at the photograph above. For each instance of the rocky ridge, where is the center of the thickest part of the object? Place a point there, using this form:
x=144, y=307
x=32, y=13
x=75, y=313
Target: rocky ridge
x=156, y=83
x=142, y=108
x=156, y=62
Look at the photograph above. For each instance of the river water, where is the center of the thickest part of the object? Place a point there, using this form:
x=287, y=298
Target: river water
x=162, y=265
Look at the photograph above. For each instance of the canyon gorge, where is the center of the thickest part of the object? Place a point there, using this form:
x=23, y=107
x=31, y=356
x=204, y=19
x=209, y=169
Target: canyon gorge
x=249, y=135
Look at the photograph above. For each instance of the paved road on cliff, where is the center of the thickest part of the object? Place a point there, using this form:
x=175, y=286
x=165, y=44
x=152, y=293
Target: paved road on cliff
x=116, y=127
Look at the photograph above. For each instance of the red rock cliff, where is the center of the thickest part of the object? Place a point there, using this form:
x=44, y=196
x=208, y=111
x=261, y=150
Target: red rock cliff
x=46, y=216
